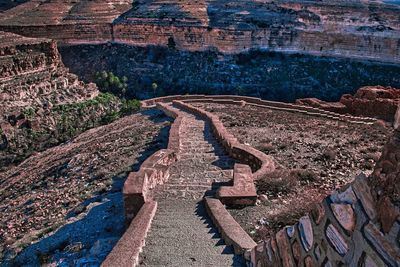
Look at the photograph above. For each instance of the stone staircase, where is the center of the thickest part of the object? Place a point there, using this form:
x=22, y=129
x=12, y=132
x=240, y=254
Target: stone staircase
x=181, y=233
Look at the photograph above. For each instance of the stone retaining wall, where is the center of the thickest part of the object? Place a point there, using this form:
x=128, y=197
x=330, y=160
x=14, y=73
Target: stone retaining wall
x=152, y=172
x=126, y=251
x=139, y=206
x=173, y=140
x=243, y=191
x=258, y=102
x=341, y=231
x=259, y=162
x=356, y=226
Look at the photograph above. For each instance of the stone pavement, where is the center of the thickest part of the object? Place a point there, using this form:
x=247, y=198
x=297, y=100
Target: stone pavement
x=181, y=233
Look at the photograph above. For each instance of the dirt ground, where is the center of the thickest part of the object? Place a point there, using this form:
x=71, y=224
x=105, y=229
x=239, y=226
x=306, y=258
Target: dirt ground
x=325, y=154
x=40, y=194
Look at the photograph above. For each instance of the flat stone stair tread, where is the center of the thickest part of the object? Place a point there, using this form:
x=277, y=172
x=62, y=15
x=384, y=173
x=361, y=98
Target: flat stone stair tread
x=182, y=234
x=184, y=237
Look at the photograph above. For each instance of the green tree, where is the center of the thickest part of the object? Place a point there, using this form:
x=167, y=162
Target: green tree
x=109, y=82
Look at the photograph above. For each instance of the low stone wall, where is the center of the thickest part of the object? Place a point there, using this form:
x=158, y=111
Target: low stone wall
x=173, y=140
x=126, y=251
x=258, y=102
x=259, y=162
x=242, y=192
x=139, y=207
x=152, y=172
x=341, y=231
x=232, y=233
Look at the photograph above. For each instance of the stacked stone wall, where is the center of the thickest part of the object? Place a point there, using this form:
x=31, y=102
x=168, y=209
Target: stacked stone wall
x=153, y=171
x=341, y=231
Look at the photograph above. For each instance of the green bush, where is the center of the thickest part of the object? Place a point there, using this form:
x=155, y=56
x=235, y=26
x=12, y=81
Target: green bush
x=109, y=82
x=130, y=106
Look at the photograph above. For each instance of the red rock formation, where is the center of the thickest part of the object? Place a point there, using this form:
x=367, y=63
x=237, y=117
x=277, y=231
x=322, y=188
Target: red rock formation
x=346, y=29
x=32, y=74
x=33, y=80
x=373, y=101
x=369, y=101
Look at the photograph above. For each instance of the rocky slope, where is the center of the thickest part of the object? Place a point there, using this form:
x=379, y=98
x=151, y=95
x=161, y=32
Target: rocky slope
x=320, y=154
x=361, y=29
x=41, y=102
x=51, y=203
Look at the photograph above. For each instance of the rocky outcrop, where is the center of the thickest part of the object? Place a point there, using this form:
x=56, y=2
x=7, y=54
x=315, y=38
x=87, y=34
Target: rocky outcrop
x=34, y=88
x=32, y=74
x=369, y=101
x=373, y=101
x=335, y=28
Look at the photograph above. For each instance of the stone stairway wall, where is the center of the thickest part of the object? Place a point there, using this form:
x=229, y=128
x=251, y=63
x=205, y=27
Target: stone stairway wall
x=181, y=233
x=358, y=225
x=245, y=100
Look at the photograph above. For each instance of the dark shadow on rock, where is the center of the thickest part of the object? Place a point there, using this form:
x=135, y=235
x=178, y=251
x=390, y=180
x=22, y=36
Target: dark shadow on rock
x=215, y=186
x=74, y=244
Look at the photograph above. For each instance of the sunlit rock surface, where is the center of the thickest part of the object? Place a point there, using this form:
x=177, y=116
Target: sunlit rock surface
x=361, y=29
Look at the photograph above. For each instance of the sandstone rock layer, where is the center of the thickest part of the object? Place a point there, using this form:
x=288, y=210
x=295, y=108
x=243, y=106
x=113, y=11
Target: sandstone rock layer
x=361, y=29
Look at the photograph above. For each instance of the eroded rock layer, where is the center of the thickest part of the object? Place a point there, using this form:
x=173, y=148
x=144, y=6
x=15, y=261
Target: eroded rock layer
x=34, y=88
x=361, y=29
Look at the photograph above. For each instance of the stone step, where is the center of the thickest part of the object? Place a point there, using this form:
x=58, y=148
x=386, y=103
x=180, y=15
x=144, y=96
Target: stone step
x=208, y=157
x=195, y=150
x=198, y=187
x=182, y=235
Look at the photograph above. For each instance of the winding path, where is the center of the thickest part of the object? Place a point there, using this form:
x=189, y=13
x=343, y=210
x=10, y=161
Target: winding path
x=181, y=233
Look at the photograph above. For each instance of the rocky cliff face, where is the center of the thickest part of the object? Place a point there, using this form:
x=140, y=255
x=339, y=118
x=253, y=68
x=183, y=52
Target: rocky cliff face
x=361, y=29
x=273, y=76
x=34, y=88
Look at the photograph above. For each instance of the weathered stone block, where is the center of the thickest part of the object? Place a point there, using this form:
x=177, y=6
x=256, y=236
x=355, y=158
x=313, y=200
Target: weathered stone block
x=344, y=214
x=285, y=250
x=389, y=253
x=243, y=191
x=336, y=240
x=306, y=233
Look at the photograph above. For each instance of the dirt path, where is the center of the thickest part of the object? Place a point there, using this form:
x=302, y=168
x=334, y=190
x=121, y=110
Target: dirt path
x=181, y=233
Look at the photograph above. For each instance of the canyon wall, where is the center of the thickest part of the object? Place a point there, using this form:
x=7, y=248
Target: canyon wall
x=273, y=76
x=354, y=29
x=32, y=74
x=41, y=102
